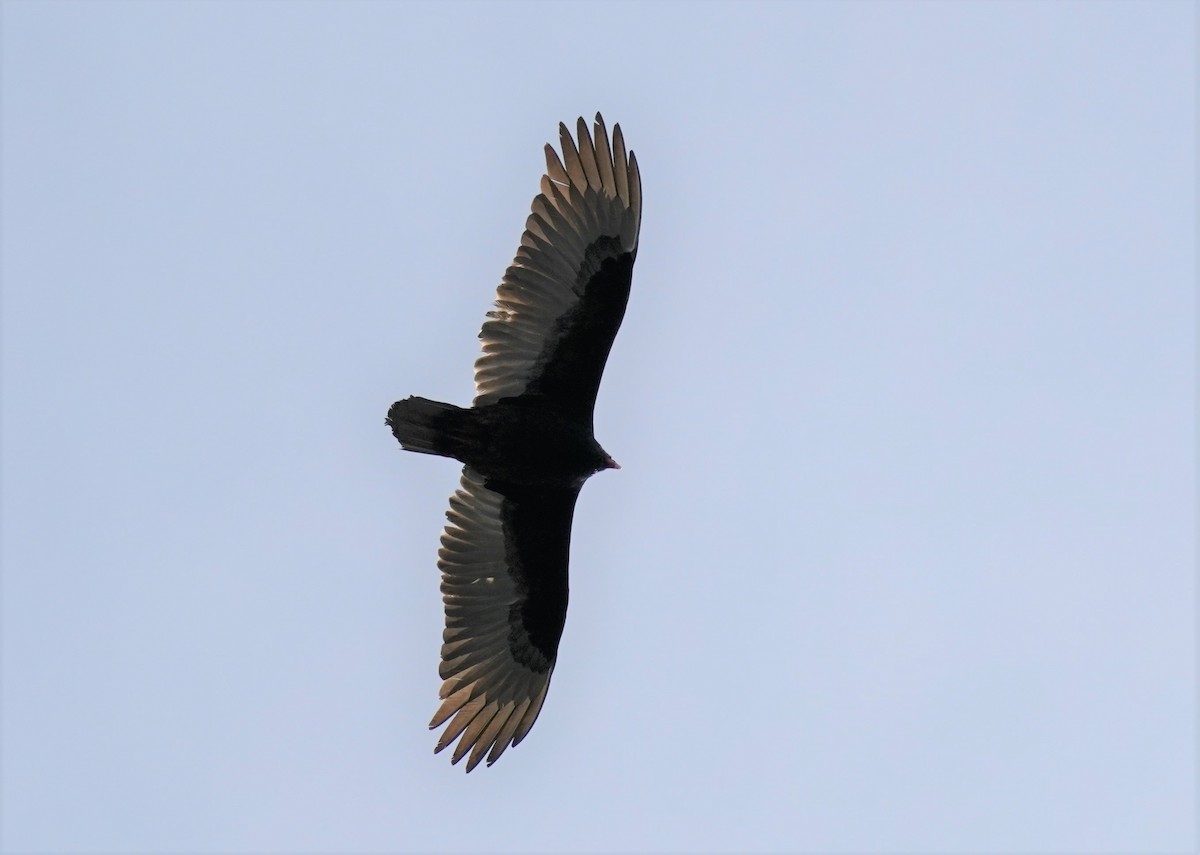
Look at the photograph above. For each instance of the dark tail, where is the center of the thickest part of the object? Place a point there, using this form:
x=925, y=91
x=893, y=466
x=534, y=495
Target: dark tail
x=429, y=427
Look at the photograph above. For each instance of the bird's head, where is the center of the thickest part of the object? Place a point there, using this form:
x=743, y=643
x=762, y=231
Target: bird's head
x=601, y=459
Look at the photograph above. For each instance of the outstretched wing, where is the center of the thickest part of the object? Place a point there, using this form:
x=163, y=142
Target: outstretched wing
x=562, y=300
x=504, y=584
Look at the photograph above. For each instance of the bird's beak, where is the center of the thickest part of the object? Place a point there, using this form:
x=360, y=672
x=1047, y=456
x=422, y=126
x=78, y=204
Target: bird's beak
x=609, y=463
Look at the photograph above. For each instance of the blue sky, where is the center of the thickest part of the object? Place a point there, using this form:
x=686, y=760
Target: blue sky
x=902, y=553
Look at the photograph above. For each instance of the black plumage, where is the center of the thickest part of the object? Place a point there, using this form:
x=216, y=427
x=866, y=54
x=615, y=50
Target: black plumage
x=527, y=442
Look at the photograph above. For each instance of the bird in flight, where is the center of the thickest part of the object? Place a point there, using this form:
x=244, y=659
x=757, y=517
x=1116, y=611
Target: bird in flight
x=527, y=442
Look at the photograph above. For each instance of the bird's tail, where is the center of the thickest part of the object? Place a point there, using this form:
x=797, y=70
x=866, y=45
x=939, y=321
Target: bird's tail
x=429, y=427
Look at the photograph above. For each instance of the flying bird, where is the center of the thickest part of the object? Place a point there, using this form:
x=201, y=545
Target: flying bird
x=527, y=442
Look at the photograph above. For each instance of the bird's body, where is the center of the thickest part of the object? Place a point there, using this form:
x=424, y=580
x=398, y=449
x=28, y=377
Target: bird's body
x=516, y=440
x=527, y=444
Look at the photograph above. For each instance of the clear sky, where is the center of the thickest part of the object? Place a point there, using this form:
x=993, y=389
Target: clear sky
x=902, y=553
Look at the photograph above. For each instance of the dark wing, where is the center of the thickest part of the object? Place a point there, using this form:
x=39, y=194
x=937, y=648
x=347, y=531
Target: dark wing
x=504, y=584
x=560, y=303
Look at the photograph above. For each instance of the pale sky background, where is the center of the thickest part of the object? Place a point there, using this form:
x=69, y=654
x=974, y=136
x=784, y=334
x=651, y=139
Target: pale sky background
x=902, y=555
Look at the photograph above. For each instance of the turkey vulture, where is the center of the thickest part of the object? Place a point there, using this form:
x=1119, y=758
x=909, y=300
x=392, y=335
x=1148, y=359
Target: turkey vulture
x=527, y=442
